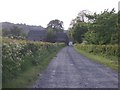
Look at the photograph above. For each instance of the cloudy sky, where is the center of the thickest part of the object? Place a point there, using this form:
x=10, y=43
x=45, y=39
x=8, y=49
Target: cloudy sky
x=40, y=12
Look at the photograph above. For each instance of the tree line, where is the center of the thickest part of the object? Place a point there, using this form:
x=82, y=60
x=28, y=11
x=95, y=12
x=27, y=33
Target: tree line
x=14, y=32
x=52, y=27
x=93, y=28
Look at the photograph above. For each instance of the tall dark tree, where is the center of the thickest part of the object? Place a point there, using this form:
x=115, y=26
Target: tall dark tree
x=56, y=25
x=50, y=35
x=78, y=26
x=78, y=32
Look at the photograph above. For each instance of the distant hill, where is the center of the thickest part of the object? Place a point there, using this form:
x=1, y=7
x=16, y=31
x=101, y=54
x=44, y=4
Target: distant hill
x=24, y=27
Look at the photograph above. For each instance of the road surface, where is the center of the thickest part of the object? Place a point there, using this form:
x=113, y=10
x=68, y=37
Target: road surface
x=69, y=69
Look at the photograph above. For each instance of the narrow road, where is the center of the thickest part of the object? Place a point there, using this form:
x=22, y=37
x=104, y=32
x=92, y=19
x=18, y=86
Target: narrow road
x=69, y=69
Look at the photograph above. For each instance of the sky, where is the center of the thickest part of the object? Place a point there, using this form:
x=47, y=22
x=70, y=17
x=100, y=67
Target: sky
x=41, y=12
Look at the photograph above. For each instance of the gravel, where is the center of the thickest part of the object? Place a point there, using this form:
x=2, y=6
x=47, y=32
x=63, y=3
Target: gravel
x=69, y=69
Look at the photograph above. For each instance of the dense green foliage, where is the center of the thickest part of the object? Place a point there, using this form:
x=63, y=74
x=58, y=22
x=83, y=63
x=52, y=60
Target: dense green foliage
x=56, y=25
x=50, y=35
x=98, y=28
x=99, y=38
x=14, y=32
x=53, y=27
x=105, y=50
x=78, y=31
x=19, y=55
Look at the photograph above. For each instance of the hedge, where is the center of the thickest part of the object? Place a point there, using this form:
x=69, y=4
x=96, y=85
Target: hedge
x=19, y=55
x=108, y=50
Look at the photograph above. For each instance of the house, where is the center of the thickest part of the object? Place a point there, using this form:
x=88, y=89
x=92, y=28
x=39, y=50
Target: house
x=61, y=37
x=41, y=35
x=37, y=35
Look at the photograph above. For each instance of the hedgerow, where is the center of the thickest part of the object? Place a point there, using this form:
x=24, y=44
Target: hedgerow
x=19, y=55
x=107, y=50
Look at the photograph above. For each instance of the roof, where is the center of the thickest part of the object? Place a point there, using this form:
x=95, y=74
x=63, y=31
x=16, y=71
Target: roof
x=37, y=35
x=40, y=35
x=61, y=36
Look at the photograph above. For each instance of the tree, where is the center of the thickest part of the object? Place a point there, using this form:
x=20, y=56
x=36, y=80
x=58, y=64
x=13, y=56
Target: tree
x=5, y=32
x=56, y=25
x=78, y=32
x=82, y=15
x=95, y=28
x=104, y=28
x=14, y=32
x=50, y=35
x=78, y=26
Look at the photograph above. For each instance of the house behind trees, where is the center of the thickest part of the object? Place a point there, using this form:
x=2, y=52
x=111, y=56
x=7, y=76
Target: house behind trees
x=37, y=35
x=41, y=35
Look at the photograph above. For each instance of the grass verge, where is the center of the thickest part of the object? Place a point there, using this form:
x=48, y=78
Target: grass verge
x=27, y=78
x=111, y=62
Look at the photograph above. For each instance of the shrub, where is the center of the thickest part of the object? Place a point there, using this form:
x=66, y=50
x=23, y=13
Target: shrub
x=108, y=50
x=19, y=55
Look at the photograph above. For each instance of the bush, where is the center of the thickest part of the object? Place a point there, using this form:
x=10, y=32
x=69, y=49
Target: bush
x=108, y=50
x=19, y=55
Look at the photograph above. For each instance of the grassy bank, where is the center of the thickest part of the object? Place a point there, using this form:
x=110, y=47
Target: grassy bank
x=24, y=60
x=109, y=61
